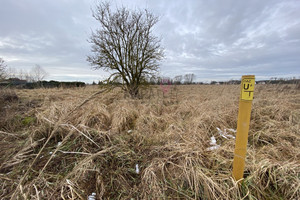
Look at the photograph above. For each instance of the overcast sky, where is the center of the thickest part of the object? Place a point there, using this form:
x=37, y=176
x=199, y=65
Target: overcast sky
x=214, y=39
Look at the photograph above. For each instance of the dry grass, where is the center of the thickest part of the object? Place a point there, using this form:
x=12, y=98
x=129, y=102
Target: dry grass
x=52, y=148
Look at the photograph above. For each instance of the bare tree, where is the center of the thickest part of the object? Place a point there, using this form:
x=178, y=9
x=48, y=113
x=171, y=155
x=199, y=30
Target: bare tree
x=38, y=73
x=153, y=80
x=21, y=74
x=2, y=69
x=125, y=45
x=178, y=79
x=166, y=80
x=188, y=78
x=11, y=72
x=28, y=77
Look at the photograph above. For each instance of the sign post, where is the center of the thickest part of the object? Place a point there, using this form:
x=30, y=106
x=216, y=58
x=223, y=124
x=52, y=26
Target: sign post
x=246, y=97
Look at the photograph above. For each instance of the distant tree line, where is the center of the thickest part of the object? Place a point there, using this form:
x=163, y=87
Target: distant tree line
x=30, y=79
x=158, y=80
x=189, y=79
x=18, y=83
x=275, y=80
x=55, y=84
x=291, y=80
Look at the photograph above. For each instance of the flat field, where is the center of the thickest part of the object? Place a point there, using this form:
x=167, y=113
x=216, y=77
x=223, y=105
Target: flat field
x=69, y=143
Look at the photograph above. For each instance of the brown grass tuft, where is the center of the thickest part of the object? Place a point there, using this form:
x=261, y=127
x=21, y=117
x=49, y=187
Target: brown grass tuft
x=69, y=143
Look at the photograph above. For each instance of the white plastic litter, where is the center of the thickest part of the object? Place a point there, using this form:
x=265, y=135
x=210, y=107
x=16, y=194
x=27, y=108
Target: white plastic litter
x=129, y=131
x=232, y=130
x=137, y=170
x=213, y=148
x=58, y=144
x=213, y=143
x=92, y=196
x=224, y=133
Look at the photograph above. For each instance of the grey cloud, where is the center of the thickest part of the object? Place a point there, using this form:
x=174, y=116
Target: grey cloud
x=213, y=39
x=245, y=38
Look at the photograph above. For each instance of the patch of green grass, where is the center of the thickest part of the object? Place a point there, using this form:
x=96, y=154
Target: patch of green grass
x=28, y=121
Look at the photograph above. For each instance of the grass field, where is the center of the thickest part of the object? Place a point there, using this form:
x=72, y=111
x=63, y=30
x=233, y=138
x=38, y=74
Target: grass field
x=63, y=144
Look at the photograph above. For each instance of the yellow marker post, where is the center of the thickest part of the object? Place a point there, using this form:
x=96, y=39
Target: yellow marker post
x=246, y=97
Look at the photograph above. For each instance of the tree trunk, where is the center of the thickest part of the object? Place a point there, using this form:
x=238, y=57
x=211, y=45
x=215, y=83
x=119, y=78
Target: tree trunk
x=133, y=91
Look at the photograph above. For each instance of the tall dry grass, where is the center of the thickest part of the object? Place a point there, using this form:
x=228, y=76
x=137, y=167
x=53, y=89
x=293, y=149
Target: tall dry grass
x=52, y=148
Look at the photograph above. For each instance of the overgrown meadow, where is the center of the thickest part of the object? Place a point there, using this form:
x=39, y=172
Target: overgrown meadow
x=70, y=143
